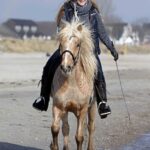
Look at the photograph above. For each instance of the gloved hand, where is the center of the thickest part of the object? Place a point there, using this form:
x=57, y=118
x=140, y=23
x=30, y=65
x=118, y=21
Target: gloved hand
x=115, y=54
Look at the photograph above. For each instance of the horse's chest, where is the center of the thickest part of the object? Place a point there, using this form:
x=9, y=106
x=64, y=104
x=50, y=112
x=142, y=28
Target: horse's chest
x=77, y=86
x=71, y=100
x=83, y=84
x=77, y=90
x=71, y=94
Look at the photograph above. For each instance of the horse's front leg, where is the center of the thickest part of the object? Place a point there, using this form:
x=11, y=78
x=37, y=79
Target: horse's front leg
x=57, y=114
x=91, y=125
x=65, y=131
x=80, y=124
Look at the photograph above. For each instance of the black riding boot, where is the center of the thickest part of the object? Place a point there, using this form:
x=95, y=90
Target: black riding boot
x=42, y=102
x=101, y=97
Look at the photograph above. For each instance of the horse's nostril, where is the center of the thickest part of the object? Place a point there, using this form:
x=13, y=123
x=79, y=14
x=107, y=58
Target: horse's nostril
x=65, y=68
x=69, y=68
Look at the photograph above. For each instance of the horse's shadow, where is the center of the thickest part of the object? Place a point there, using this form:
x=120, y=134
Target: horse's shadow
x=9, y=146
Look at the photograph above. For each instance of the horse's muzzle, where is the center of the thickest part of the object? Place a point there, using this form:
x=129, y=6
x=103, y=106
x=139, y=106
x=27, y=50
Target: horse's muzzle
x=66, y=69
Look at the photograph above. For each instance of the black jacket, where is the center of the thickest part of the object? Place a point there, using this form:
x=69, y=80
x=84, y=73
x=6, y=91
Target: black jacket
x=91, y=17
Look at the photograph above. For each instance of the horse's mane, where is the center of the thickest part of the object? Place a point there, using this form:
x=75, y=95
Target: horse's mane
x=87, y=57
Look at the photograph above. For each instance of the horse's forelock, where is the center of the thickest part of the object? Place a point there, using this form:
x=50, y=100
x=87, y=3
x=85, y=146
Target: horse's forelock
x=69, y=29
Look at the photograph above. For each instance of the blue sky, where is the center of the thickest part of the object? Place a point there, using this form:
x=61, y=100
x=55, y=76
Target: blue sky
x=128, y=10
x=131, y=10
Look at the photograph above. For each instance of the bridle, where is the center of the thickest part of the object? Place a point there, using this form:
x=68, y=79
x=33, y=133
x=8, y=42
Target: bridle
x=74, y=58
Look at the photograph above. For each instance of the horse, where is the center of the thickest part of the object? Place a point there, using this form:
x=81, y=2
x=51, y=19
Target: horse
x=73, y=84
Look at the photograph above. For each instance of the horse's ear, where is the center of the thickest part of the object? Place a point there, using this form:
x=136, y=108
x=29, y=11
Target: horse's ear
x=79, y=28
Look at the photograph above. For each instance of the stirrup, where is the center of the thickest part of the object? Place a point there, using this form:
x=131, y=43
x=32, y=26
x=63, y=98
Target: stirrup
x=101, y=103
x=106, y=113
x=103, y=110
x=40, y=104
x=40, y=98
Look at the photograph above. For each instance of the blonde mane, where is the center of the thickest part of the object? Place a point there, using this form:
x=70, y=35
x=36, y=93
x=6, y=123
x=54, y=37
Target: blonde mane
x=87, y=57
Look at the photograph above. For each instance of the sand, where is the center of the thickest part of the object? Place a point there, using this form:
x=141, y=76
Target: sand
x=23, y=128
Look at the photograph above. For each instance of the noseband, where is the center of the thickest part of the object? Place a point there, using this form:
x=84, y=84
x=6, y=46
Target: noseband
x=75, y=58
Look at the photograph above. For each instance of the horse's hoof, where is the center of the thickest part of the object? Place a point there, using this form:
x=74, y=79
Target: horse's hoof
x=52, y=147
x=65, y=148
x=90, y=148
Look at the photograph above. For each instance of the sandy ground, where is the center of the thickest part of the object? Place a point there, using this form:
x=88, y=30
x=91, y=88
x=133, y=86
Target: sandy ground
x=23, y=128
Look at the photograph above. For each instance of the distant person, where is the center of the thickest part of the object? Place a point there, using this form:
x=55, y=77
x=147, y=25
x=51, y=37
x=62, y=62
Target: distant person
x=88, y=13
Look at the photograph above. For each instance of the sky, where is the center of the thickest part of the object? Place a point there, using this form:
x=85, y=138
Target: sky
x=46, y=10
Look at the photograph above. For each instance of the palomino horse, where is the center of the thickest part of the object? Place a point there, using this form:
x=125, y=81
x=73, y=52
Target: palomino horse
x=72, y=86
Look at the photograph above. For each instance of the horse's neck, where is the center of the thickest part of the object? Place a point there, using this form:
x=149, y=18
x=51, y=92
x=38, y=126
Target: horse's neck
x=77, y=73
x=77, y=80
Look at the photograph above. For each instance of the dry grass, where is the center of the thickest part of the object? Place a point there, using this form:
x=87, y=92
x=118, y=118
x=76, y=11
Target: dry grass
x=35, y=45
x=22, y=46
x=125, y=49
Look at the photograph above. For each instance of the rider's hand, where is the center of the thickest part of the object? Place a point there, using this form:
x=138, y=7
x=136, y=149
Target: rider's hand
x=115, y=54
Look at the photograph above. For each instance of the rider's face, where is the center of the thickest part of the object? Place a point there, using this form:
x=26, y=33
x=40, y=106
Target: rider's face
x=81, y=2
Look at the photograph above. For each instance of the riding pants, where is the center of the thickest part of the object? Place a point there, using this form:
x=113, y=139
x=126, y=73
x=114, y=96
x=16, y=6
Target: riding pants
x=48, y=73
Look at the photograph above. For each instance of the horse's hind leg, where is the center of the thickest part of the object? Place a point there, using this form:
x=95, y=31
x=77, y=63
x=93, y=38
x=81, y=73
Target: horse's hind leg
x=80, y=125
x=65, y=131
x=91, y=124
x=57, y=113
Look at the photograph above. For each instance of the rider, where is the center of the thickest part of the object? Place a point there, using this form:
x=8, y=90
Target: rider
x=88, y=13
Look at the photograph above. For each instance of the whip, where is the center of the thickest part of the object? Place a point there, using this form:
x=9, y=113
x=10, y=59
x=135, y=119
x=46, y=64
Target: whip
x=122, y=91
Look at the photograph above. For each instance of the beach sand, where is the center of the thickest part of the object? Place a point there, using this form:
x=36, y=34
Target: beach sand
x=24, y=128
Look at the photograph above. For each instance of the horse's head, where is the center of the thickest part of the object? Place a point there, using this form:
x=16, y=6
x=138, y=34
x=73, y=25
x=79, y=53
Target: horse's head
x=76, y=45
x=70, y=45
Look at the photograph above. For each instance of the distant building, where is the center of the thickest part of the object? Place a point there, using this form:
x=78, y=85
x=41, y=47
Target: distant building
x=115, y=30
x=6, y=32
x=120, y=32
x=129, y=37
x=21, y=28
x=146, y=30
x=48, y=29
